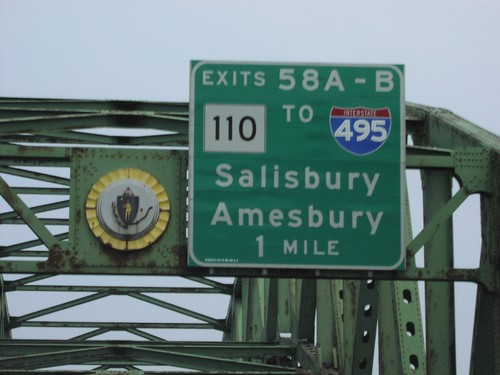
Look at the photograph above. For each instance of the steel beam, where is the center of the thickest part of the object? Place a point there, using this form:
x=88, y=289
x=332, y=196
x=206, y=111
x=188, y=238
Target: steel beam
x=5, y=327
x=312, y=318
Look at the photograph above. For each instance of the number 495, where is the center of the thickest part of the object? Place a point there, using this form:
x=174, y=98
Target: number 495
x=361, y=129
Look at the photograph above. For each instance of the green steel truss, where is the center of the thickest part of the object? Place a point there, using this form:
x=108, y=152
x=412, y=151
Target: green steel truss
x=272, y=321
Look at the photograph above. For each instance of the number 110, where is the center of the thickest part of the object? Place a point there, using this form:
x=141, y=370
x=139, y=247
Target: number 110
x=247, y=128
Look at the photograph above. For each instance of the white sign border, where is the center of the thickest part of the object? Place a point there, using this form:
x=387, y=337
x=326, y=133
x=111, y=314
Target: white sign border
x=191, y=176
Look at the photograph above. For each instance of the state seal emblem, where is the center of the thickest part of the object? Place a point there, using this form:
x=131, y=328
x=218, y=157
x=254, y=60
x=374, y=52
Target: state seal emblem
x=127, y=209
x=127, y=206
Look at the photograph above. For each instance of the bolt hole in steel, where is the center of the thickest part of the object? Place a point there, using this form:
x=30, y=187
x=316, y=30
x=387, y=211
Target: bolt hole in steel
x=363, y=363
x=366, y=337
x=410, y=329
x=407, y=296
x=413, y=362
x=368, y=310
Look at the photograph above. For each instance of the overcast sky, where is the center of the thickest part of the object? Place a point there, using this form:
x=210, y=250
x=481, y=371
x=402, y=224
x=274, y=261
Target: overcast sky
x=140, y=50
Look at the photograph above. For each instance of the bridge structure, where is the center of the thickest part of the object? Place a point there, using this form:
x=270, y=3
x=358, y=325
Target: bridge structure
x=70, y=305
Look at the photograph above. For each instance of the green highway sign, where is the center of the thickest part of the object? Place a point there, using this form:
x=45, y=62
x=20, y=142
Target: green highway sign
x=296, y=166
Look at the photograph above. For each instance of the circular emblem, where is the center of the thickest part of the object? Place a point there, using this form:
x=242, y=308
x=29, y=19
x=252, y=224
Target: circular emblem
x=360, y=131
x=127, y=209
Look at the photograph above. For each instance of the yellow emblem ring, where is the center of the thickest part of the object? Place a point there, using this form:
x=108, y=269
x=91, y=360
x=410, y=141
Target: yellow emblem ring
x=127, y=209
